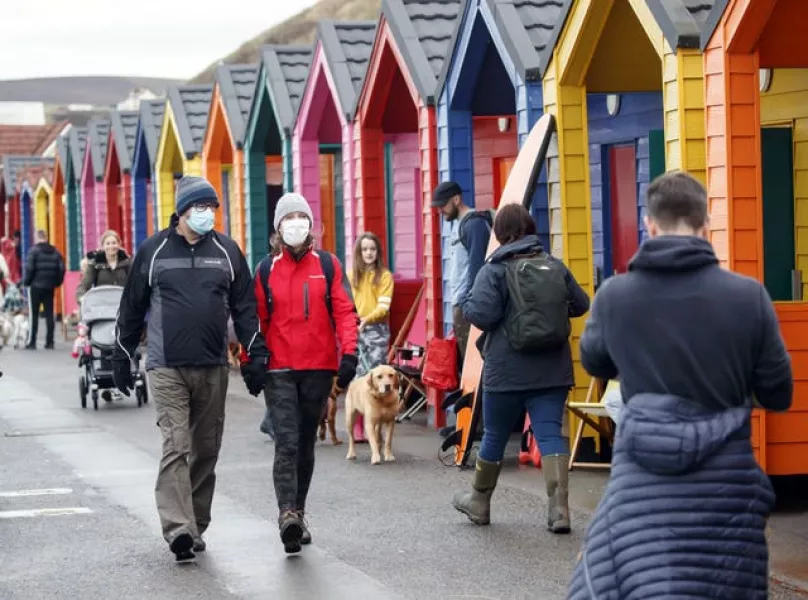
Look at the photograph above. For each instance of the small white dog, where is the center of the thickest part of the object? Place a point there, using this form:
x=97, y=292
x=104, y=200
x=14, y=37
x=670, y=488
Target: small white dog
x=20, y=331
x=6, y=330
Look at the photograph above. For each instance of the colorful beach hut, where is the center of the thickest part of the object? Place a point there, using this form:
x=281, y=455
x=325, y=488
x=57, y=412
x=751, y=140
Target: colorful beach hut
x=223, y=147
x=322, y=143
x=268, y=144
x=57, y=223
x=144, y=154
x=93, y=191
x=395, y=137
x=179, y=150
x=15, y=170
x=756, y=71
x=626, y=87
x=76, y=143
x=43, y=193
x=33, y=198
x=504, y=46
x=118, y=174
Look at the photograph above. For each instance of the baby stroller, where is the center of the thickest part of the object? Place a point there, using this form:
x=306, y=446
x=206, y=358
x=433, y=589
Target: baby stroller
x=99, y=310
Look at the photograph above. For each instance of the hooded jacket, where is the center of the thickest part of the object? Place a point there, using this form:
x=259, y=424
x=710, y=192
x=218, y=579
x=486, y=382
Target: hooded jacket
x=189, y=291
x=684, y=512
x=506, y=369
x=44, y=267
x=100, y=272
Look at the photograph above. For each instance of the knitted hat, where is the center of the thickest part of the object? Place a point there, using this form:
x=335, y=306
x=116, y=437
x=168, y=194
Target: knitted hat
x=445, y=192
x=194, y=190
x=291, y=203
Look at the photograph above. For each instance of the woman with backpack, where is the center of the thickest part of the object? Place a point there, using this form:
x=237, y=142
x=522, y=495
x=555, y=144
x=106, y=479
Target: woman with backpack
x=522, y=300
x=307, y=316
x=372, y=287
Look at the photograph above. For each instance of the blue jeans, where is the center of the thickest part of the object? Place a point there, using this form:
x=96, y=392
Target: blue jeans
x=501, y=410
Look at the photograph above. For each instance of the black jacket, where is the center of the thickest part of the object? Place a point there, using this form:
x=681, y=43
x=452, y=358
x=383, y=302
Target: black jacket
x=506, y=369
x=188, y=292
x=99, y=272
x=44, y=267
x=679, y=324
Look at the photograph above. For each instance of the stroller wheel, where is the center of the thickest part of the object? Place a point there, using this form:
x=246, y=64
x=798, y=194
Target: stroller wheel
x=95, y=399
x=83, y=391
x=142, y=395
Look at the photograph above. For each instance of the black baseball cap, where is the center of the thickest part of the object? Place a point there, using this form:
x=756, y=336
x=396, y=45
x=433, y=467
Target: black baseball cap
x=445, y=192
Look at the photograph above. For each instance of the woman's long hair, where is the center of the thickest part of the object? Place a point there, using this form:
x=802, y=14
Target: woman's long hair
x=359, y=266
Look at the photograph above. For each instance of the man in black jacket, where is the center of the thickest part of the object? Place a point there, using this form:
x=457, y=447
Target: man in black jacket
x=44, y=272
x=189, y=279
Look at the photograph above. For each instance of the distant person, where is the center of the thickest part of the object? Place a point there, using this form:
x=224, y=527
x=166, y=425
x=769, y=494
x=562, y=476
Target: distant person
x=11, y=256
x=694, y=346
x=44, y=272
x=107, y=266
x=469, y=243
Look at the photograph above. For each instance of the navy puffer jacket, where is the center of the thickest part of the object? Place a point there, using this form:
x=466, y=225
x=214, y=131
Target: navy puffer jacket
x=685, y=509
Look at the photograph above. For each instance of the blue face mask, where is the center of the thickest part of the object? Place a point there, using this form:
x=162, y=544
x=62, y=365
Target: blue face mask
x=201, y=221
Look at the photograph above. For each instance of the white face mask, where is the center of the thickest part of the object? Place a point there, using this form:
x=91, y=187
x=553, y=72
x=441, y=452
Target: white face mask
x=295, y=231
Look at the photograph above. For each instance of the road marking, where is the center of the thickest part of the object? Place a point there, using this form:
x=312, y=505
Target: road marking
x=42, y=492
x=44, y=512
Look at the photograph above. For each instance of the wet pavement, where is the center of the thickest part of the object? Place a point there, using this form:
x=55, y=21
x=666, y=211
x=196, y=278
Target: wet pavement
x=77, y=515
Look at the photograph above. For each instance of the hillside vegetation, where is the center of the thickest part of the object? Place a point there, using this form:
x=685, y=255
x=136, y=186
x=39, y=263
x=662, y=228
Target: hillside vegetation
x=299, y=29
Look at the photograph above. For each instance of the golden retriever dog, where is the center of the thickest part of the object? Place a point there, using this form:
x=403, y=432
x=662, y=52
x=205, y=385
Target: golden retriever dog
x=329, y=417
x=374, y=396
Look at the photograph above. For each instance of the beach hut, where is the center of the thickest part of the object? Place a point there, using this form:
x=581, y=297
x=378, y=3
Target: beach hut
x=118, y=174
x=57, y=224
x=179, y=150
x=223, y=154
x=93, y=191
x=15, y=169
x=395, y=137
x=76, y=143
x=626, y=87
x=322, y=143
x=33, y=189
x=498, y=46
x=43, y=193
x=756, y=71
x=268, y=144
x=144, y=154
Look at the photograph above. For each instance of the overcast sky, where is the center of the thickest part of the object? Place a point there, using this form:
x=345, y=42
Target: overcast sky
x=154, y=38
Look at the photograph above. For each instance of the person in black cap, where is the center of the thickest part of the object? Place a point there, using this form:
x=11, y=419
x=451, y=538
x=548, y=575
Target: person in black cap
x=468, y=245
x=189, y=279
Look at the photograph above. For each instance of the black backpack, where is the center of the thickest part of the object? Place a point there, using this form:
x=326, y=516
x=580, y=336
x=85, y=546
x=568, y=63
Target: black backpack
x=327, y=264
x=538, y=317
x=486, y=215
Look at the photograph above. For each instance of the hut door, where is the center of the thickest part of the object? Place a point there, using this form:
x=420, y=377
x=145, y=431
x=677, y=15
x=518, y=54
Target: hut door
x=327, y=201
x=225, y=209
x=274, y=193
x=778, y=211
x=502, y=169
x=623, y=205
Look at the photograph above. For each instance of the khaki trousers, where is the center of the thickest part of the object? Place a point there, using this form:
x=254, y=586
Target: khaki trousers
x=190, y=414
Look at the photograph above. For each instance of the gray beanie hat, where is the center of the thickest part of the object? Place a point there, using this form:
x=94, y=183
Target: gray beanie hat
x=291, y=203
x=194, y=190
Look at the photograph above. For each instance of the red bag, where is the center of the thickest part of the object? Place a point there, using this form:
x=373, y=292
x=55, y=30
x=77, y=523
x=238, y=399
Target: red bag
x=440, y=364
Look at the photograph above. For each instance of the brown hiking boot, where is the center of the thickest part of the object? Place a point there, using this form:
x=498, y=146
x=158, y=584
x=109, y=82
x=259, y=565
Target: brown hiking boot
x=305, y=538
x=556, y=477
x=291, y=530
x=476, y=503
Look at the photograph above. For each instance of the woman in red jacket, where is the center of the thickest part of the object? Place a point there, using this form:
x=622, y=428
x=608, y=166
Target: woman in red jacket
x=308, y=318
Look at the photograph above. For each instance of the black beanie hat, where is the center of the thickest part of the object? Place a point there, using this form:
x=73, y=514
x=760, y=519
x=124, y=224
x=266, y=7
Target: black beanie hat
x=445, y=192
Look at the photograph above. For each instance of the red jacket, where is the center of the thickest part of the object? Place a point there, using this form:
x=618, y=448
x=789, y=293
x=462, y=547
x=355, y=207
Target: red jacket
x=300, y=334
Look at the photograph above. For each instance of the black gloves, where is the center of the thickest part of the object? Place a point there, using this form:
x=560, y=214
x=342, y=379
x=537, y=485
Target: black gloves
x=347, y=370
x=122, y=374
x=254, y=373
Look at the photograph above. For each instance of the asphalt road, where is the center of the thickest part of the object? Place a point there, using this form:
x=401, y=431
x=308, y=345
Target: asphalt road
x=77, y=515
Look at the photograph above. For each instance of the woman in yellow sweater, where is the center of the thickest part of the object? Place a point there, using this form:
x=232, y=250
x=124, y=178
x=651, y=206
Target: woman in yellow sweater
x=372, y=286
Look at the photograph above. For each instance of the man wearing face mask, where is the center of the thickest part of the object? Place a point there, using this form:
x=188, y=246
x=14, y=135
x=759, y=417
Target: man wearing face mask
x=189, y=279
x=307, y=316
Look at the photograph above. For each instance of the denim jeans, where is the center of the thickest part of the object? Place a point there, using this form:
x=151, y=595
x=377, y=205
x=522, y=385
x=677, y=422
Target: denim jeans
x=501, y=410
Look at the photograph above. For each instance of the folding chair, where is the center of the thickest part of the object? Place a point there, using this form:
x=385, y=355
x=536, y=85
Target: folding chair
x=408, y=361
x=592, y=412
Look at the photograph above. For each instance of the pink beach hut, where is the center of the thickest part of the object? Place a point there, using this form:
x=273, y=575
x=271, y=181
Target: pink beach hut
x=93, y=189
x=322, y=140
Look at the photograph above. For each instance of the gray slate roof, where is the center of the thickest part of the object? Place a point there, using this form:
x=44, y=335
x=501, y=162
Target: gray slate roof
x=287, y=69
x=124, y=130
x=151, y=120
x=423, y=31
x=347, y=46
x=191, y=106
x=686, y=23
x=236, y=87
x=63, y=151
x=13, y=163
x=78, y=137
x=97, y=136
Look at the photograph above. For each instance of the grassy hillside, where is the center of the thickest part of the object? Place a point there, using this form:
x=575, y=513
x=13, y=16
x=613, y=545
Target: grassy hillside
x=299, y=29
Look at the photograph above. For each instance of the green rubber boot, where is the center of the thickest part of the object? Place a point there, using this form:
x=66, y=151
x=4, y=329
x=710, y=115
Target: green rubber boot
x=556, y=477
x=476, y=503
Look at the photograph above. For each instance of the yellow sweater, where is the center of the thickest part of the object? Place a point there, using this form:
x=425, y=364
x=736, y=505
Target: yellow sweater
x=373, y=301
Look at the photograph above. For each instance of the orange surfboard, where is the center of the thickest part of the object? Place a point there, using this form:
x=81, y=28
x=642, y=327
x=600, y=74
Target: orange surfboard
x=519, y=188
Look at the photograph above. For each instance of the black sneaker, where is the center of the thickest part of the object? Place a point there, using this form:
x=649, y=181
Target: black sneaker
x=30, y=347
x=181, y=547
x=291, y=529
x=48, y=346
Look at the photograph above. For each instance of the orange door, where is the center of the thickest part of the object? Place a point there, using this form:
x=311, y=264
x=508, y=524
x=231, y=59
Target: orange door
x=327, y=202
x=502, y=169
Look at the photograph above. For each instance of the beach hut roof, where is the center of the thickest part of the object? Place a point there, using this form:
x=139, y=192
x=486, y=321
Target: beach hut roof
x=98, y=134
x=124, y=130
x=287, y=69
x=190, y=105
x=236, y=88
